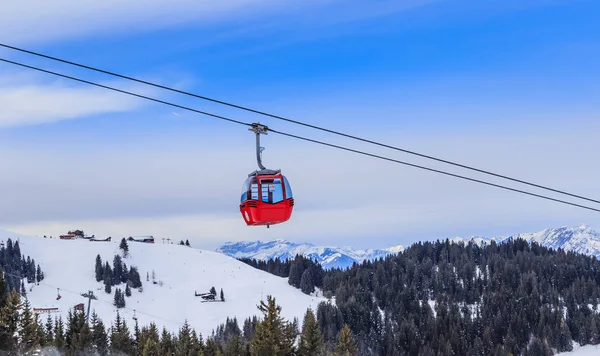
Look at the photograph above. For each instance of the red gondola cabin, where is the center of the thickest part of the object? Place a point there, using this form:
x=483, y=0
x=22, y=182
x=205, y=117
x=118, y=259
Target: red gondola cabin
x=266, y=198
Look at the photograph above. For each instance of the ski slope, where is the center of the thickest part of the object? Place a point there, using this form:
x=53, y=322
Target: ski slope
x=69, y=265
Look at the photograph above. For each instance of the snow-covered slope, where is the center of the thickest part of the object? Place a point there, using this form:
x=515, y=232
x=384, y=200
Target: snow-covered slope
x=328, y=257
x=587, y=350
x=69, y=265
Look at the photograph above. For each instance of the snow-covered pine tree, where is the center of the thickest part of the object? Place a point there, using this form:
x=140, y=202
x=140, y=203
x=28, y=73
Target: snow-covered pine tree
x=127, y=291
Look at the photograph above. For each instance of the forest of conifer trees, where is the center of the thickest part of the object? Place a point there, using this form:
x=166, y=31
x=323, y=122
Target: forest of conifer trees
x=443, y=298
x=434, y=298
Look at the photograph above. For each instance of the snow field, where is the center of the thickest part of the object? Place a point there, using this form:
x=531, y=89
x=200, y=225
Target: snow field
x=69, y=265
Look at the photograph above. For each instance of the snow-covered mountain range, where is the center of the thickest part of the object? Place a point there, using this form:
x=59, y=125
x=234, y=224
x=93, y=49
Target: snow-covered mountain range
x=580, y=239
x=328, y=257
x=181, y=271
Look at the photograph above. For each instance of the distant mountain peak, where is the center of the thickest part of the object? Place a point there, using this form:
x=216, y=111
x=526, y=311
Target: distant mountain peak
x=580, y=239
x=327, y=256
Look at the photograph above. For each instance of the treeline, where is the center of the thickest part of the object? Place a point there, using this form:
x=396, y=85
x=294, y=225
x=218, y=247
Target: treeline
x=17, y=265
x=442, y=298
x=275, y=266
x=302, y=272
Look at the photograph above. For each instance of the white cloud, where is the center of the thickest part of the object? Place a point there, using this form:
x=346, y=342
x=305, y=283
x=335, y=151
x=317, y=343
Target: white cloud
x=31, y=99
x=38, y=21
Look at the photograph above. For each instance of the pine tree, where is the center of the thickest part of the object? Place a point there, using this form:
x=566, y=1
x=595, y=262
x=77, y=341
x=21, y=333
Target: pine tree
x=311, y=339
x=234, y=347
x=183, y=346
x=127, y=291
x=39, y=274
x=150, y=348
x=187, y=242
x=345, y=345
x=78, y=336
x=117, y=270
x=49, y=331
x=166, y=345
x=273, y=336
x=107, y=278
x=295, y=274
x=306, y=282
x=41, y=338
x=59, y=334
x=120, y=338
x=119, y=300
x=99, y=269
x=29, y=333
x=134, y=277
x=99, y=339
x=9, y=319
x=4, y=294
x=594, y=337
x=222, y=295
x=124, y=247
x=213, y=291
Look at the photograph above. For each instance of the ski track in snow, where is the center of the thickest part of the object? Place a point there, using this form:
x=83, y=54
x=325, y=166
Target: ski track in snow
x=70, y=265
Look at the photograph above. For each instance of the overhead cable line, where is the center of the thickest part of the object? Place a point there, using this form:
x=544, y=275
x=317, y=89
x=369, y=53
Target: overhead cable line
x=127, y=92
x=304, y=138
x=298, y=122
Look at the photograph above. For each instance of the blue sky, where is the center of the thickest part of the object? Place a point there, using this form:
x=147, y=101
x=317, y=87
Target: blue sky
x=504, y=86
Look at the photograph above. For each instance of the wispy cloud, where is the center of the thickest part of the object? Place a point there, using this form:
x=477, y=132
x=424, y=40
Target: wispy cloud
x=30, y=21
x=29, y=98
